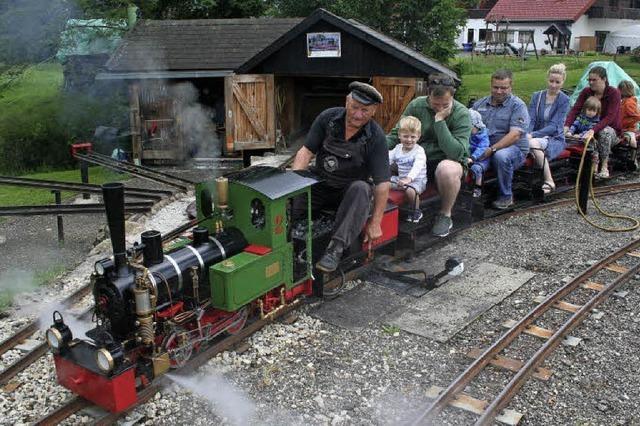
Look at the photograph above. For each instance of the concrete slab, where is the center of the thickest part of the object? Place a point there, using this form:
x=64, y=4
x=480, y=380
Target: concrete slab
x=357, y=308
x=442, y=312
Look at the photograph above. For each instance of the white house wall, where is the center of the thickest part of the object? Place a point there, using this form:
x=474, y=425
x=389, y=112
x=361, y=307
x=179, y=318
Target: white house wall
x=588, y=27
x=584, y=26
x=476, y=25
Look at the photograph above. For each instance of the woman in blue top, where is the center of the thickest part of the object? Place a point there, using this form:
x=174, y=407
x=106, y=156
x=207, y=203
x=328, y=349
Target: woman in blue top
x=547, y=111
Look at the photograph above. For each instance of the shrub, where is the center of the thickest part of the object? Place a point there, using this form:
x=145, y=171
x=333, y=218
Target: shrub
x=38, y=122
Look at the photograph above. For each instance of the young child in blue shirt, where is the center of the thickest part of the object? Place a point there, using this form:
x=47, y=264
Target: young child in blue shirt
x=412, y=165
x=588, y=117
x=478, y=143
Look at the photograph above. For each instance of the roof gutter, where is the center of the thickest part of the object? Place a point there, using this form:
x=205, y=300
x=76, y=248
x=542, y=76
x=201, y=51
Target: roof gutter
x=160, y=75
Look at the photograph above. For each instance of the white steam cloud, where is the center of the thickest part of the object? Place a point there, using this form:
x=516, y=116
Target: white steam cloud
x=224, y=398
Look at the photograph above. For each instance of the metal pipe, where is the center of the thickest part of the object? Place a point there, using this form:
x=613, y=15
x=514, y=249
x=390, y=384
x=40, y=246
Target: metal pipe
x=113, y=194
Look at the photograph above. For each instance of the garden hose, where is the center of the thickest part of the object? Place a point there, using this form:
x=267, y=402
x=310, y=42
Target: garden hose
x=636, y=223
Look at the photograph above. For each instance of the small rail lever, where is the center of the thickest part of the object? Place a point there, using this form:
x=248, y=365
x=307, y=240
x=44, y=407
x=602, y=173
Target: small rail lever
x=454, y=266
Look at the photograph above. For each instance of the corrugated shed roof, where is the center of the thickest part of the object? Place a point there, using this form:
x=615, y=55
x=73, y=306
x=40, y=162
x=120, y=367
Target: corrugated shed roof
x=199, y=44
x=539, y=10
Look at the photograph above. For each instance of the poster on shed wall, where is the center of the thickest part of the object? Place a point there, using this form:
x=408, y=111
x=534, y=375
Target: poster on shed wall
x=323, y=45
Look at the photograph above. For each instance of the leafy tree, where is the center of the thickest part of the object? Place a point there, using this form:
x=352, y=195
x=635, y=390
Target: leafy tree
x=175, y=9
x=30, y=29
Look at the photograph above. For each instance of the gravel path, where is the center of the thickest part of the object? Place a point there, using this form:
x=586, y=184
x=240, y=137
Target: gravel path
x=310, y=372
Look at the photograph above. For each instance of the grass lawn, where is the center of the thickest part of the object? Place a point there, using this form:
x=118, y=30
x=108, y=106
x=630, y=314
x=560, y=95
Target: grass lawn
x=39, y=83
x=530, y=75
x=22, y=196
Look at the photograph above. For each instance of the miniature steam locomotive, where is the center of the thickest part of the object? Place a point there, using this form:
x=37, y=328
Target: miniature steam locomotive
x=249, y=257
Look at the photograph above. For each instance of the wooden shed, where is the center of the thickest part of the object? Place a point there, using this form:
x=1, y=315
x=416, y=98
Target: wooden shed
x=263, y=80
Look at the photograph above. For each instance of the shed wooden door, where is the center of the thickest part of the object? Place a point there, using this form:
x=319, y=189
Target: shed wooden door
x=397, y=92
x=250, y=112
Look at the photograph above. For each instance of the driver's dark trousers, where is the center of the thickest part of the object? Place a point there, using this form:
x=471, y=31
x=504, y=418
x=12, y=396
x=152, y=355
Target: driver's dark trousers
x=352, y=206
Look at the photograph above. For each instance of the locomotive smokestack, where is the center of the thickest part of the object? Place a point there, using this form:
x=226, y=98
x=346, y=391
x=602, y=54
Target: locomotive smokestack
x=151, y=248
x=113, y=195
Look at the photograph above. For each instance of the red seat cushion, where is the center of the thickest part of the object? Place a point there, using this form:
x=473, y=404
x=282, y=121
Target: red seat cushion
x=564, y=154
x=396, y=196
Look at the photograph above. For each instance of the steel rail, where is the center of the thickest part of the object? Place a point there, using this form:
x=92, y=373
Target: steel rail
x=141, y=167
x=136, y=172
x=505, y=396
x=25, y=361
x=147, y=393
x=26, y=331
x=135, y=207
x=32, y=327
x=70, y=407
x=481, y=362
x=156, y=194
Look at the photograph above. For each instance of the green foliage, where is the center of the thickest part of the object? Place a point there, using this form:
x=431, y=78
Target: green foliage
x=429, y=26
x=30, y=29
x=392, y=330
x=38, y=121
x=175, y=9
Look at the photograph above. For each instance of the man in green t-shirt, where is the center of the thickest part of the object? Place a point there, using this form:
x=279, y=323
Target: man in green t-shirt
x=446, y=128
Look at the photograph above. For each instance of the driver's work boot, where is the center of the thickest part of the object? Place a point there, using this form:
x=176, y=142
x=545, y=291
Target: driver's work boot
x=331, y=259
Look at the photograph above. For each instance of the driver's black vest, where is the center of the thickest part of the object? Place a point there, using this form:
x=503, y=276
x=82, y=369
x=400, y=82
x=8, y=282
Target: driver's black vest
x=341, y=162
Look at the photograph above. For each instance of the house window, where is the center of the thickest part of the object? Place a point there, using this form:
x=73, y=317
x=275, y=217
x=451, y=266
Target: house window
x=470, y=33
x=635, y=4
x=613, y=4
x=482, y=34
x=511, y=36
x=525, y=37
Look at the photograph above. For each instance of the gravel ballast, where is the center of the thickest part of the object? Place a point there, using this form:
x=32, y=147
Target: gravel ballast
x=310, y=372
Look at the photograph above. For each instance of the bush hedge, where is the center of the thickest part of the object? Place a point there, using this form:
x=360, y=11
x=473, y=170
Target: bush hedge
x=38, y=121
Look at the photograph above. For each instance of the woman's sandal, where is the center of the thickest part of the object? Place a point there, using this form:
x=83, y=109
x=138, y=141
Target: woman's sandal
x=548, y=188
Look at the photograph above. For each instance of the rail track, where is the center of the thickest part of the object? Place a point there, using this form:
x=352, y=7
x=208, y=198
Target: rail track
x=595, y=285
x=31, y=328
x=129, y=207
x=77, y=404
x=153, y=194
x=139, y=171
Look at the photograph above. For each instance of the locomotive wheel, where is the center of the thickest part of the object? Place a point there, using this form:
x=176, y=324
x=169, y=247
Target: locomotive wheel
x=240, y=322
x=179, y=353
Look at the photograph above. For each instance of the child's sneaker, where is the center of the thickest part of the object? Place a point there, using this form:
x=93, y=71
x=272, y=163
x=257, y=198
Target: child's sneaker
x=416, y=217
x=477, y=191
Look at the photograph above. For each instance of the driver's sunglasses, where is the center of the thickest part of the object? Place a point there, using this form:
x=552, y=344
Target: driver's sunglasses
x=441, y=82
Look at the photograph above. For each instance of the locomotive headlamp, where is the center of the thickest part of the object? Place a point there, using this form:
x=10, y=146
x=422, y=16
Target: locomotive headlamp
x=110, y=355
x=54, y=338
x=104, y=360
x=58, y=335
x=101, y=266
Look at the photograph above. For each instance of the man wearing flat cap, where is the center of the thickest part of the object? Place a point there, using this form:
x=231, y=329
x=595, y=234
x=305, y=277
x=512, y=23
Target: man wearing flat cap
x=350, y=150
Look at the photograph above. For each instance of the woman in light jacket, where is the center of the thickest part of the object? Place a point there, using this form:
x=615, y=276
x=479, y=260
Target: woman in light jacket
x=547, y=111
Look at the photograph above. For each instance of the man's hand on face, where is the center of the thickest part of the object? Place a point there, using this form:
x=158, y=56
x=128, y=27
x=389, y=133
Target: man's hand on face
x=444, y=113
